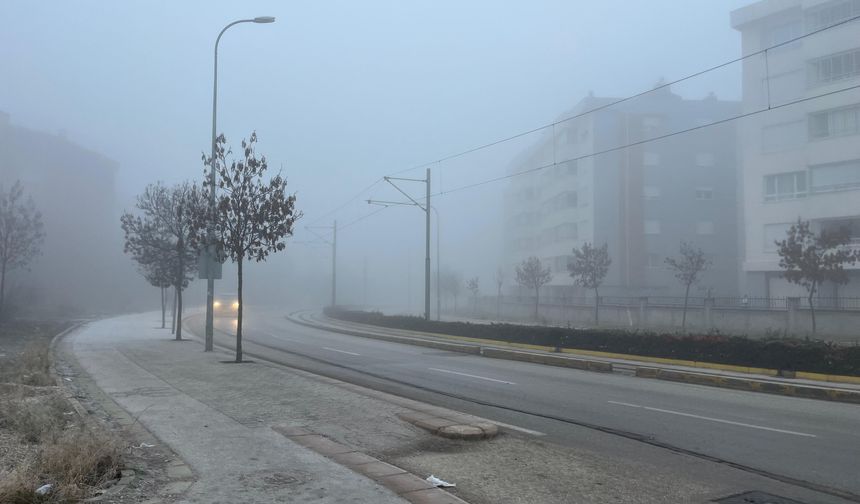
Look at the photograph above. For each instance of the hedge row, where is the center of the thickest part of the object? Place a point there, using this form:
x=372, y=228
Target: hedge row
x=785, y=354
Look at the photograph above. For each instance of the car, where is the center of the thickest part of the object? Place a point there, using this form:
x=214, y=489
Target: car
x=225, y=305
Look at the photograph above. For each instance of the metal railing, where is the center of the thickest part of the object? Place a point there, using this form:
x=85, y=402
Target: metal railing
x=720, y=302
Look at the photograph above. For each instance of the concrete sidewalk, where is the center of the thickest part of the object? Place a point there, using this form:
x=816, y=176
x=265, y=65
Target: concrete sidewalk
x=171, y=388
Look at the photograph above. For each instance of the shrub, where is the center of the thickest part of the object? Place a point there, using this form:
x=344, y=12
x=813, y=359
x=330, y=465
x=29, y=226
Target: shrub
x=771, y=353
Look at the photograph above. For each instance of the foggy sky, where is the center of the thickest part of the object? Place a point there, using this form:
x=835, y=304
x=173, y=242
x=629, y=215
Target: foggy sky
x=342, y=93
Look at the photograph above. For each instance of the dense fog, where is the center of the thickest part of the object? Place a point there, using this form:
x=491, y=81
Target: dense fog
x=544, y=126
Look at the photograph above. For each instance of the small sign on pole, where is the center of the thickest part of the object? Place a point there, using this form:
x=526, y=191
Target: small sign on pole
x=207, y=261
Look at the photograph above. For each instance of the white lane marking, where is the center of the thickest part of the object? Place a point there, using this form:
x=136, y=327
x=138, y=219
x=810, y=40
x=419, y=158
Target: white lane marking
x=341, y=351
x=521, y=429
x=471, y=375
x=710, y=419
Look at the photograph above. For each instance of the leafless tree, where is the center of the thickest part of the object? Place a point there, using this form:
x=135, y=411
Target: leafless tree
x=500, y=280
x=531, y=275
x=588, y=269
x=253, y=216
x=472, y=285
x=164, y=237
x=809, y=260
x=688, y=269
x=21, y=233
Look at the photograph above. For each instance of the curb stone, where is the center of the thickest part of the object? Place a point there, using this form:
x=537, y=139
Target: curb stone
x=785, y=389
x=178, y=472
x=406, y=485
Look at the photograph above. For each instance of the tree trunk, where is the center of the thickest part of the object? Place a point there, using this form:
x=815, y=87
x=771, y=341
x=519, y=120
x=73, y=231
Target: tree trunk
x=239, y=317
x=180, y=277
x=162, y=308
x=684, y=317
x=537, y=302
x=596, y=306
x=173, y=313
x=499, y=304
x=811, y=307
x=179, y=313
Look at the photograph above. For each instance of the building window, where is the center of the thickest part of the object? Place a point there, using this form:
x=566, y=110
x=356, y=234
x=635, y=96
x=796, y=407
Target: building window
x=652, y=227
x=704, y=159
x=651, y=192
x=655, y=261
x=785, y=186
x=650, y=125
x=830, y=13
x=835, y=176
x=834, y=122
x=783, y=33
x=704, y=193
x=774, y=233
x=650, y=158
x=849, y=226
x=705, y=227
x=781, y=137
x=834, y=67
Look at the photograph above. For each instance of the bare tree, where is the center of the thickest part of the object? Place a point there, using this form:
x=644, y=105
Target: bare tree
x=253, y=217
x=472, y=285
x=809, y=260
x=452, y=285
x=165, y=238
x=588, y=269
x=21, y=233
x=531, y=275
x=688, y=268
x=500, y=280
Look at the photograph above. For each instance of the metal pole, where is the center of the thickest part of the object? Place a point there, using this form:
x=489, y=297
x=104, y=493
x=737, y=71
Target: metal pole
x=427, y=255
x=438, y=264
x=210, y=254
x=334, y=267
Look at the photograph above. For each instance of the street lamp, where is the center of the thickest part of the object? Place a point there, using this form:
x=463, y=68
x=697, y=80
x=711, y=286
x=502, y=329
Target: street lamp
x=210, y=259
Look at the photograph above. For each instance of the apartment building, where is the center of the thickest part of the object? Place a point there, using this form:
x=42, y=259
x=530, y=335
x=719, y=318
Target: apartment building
x=799, y=148
x=642, y=201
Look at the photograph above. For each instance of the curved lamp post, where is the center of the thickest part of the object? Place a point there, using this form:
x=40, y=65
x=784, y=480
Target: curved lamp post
x=210, y=259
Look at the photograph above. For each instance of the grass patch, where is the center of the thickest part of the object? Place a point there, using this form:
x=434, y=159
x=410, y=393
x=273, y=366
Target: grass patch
x=42, y=438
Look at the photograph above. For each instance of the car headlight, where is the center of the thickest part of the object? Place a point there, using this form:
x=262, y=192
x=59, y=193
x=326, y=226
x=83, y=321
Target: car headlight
x=216, y=304
x=235, y=305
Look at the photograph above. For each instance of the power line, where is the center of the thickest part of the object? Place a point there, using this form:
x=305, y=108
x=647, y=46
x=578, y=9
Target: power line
x=631, y=97
x=642, y=142
x=597, y=109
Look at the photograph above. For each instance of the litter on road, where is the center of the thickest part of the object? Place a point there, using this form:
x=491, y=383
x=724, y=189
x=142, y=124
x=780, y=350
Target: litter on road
x=433, y=480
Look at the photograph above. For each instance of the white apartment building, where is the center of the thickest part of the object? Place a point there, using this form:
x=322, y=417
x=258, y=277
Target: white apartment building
x=800, y=156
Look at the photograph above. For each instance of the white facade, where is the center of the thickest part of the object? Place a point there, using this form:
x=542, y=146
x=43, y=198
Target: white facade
x=800, y=148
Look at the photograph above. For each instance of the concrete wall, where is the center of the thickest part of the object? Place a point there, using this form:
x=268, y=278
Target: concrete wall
x=796, y=320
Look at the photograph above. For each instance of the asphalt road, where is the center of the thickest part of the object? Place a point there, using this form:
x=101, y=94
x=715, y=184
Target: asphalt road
x=816, y=443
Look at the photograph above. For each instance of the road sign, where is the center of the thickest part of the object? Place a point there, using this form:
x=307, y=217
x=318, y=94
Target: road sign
x=207, y=261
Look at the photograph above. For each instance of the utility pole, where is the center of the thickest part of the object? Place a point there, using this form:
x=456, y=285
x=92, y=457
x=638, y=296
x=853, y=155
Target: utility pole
x=426, y=208
x=333, y=244
x=334, y=266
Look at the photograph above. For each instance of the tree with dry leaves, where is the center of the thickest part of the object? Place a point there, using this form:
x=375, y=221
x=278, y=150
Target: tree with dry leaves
x=163, y=236
x=253, y=215
x=21, y=233
x=809, y=259
x=589, y=267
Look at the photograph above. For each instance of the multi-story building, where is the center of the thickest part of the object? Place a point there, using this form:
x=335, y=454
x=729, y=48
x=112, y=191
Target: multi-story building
x=799, y=147
x=81, y=262
x=642, y=201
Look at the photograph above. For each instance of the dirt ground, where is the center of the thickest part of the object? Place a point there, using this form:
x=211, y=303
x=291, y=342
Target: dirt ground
x=39, y=422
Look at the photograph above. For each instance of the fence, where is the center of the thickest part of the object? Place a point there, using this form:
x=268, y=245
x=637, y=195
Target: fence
x=836, y=319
